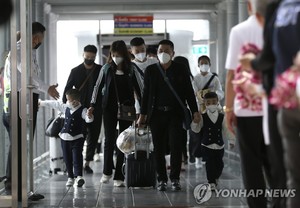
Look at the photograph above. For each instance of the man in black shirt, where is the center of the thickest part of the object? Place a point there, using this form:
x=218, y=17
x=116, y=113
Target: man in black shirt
x=162, y=111
x=83, y=78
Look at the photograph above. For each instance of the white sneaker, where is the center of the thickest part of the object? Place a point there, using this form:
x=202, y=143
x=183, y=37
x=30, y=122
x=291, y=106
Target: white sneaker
x=198, y=163
x=79, y=181
x=105, y=178
x=70, y=182
x=213, y=186
x=119, y=183
x=96, y=157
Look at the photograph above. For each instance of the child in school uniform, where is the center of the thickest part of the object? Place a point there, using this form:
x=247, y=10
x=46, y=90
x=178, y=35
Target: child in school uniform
x=72, y=134
x=214, y=130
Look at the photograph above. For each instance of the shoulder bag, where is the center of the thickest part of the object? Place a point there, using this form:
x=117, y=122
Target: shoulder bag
x=187, y=113
x=54, y=126
x=125, y=112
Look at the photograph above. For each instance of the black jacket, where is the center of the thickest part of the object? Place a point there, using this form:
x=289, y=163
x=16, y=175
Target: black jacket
x=77, y=77
x=101, y=88
x=181, y=84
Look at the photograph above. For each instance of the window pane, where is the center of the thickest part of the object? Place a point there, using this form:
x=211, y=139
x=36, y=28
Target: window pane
x=158, y=26
x=200, y=28
x=107, y=26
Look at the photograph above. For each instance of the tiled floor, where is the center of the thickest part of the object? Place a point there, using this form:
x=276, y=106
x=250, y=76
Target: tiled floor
x=94, y=194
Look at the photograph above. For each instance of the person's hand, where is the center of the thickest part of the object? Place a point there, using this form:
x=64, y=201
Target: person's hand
x=141, y=121
x=196, y=117
x=90, y=111
x=199, y=96
x=245, y=61
x=53, y=92
x=230, y=121
x=297, y=61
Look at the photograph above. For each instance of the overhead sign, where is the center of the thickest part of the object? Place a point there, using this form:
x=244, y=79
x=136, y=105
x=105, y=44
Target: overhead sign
x=133, y=25
x=200, y=49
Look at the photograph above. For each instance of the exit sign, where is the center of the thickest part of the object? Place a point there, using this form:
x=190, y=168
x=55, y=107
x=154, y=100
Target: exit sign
x=200, y=49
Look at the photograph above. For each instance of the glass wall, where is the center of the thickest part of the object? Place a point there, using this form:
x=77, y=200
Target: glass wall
x=72, y=37
x=16, y=108
x=190, y=37
x=4, y=139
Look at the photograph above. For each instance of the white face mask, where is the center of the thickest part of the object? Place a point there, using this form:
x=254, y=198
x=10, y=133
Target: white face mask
x=164, y=57
x=117, y=60
x=204, y=68
x=140, y=56
x=212, y=108
x=70, y=105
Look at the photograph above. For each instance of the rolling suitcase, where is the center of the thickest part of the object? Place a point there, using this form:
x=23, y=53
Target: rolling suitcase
x=57, y=164
x=140, y=166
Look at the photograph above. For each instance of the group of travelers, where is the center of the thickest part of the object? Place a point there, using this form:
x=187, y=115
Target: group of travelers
x=161, y=86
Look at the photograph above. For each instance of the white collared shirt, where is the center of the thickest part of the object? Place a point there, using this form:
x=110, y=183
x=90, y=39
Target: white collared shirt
x=145, y=64
x=213, y=116
x=248, y=31
x=36, y=81
x=58, y=105
x=200, y=81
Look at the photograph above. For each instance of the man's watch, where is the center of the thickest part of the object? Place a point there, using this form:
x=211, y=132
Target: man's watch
x=227, y=109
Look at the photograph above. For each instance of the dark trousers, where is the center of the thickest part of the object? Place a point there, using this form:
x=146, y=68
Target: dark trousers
x=167, y=127
x=275, y=153
x=214, y=163
x=98, y=148
x=253, y=158
x=110, y=123
x=93, y=132
x=72, y=153
x=195, y=144
x=6, y=118
x=289, y=127
x=184, y=143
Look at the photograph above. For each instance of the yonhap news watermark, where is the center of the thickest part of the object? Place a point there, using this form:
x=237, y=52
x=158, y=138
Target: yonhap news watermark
x=203, y=193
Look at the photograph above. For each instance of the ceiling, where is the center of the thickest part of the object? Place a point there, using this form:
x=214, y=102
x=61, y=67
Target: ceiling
x=88, y=7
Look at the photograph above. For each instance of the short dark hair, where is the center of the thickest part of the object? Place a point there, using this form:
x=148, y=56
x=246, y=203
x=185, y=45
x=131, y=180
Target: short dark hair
x=37, y=28
x=90, y=48
x=210, y=95
x=74, y=93
x=166, y=42
x=120, y=47
x=185, y=61
x=204, y=57
x=137, y=41
x=152, y=50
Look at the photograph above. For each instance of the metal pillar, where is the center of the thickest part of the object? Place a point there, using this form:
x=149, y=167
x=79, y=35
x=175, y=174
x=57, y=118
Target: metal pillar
x=222, y=40
x=243, y=10
x=232, y=14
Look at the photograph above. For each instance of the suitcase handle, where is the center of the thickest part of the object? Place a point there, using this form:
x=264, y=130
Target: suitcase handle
x=136, y=130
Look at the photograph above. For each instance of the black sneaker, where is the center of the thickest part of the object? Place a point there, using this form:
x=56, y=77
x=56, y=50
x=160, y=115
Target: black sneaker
x=88, y=170
x=176, y=185
x=3, y=178
x=162, y=186
x=192, y=160
x=7, y=186
x=185, y=159
x=35, y=197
